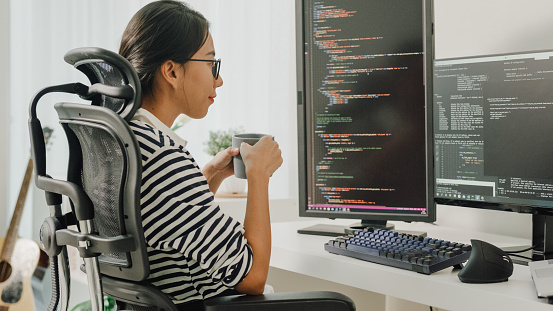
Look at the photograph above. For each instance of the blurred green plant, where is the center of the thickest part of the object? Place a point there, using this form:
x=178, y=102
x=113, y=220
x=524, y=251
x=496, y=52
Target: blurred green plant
x=109, y=305
x=220, y=140
x=180, y=121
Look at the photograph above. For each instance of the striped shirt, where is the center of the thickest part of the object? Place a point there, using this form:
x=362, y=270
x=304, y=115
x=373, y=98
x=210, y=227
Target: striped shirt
x=195, y=250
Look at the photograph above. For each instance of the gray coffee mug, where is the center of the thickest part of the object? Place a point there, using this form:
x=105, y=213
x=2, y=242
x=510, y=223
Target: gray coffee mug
x=237, y=139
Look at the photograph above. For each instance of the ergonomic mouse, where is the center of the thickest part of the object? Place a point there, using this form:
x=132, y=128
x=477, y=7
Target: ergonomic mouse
x=487, y=264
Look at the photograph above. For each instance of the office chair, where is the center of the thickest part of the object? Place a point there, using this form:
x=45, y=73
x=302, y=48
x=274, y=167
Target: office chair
x=103, y=186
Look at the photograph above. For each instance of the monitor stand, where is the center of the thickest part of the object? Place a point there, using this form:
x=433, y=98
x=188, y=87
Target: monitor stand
x=338, y=230
x=542, y=240
x=367, y=223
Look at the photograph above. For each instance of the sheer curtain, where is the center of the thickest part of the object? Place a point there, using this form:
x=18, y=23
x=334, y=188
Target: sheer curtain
x=254, y=39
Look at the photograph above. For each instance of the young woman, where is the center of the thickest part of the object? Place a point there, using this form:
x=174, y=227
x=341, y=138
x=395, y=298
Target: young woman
x=195, y=250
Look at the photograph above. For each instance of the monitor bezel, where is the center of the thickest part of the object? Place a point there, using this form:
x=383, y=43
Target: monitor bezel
x=428, y=37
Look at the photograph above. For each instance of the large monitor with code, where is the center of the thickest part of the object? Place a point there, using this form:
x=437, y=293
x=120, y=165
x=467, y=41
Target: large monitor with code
x=493, y=142
x=364, y=84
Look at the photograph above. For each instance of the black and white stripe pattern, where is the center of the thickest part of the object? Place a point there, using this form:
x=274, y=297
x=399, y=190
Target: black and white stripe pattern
x=195, y=250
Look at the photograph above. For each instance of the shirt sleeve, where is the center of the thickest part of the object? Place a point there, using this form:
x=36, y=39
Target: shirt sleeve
x=179, y=213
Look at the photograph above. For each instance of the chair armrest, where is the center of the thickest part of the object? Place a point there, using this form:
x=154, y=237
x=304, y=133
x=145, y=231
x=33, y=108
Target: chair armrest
x=140, y=294
x=320, y=301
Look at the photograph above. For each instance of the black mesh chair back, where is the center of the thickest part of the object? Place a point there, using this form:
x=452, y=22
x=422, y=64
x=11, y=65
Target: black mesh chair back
x=104, y=146
x=110, y=176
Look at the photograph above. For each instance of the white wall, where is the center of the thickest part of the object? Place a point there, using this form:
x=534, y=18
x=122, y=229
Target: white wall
x=475, y=27
x=4, y=110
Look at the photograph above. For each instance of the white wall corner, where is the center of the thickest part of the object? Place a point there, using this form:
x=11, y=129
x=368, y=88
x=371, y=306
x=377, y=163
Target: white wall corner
x=4, y=112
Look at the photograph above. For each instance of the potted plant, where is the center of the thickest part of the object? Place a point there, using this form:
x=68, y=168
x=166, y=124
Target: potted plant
x=220, y=140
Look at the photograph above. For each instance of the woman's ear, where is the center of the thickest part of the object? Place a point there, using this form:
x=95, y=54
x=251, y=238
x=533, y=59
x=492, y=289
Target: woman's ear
x=170, y=72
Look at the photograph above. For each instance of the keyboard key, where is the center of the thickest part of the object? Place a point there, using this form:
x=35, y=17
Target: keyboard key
x=431, y=246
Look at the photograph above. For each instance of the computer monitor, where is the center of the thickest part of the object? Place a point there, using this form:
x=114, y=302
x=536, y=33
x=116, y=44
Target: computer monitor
x=364, y=80
x=493, y=137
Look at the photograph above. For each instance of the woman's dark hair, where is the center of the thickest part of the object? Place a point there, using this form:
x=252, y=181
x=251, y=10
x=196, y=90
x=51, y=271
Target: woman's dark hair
x=161, y=31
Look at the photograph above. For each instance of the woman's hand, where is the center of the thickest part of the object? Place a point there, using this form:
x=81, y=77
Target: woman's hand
x=222, y=162
x=220, y=167
x=261, y=159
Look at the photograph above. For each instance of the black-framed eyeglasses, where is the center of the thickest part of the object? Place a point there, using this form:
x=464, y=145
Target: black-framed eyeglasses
x=215, y=65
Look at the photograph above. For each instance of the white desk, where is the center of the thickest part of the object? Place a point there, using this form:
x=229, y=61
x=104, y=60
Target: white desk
x=304, y=254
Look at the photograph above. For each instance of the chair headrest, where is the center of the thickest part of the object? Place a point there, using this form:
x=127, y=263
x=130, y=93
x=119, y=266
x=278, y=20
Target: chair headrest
x=114, y=81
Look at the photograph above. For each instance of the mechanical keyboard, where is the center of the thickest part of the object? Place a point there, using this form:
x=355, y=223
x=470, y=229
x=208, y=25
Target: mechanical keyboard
x=406, y=251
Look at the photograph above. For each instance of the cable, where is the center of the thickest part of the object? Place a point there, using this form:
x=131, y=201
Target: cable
x=520, y=256
x=54, y=300
x=525, y=250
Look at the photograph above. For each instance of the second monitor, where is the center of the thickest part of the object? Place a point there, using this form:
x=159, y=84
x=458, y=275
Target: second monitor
x=492, y=137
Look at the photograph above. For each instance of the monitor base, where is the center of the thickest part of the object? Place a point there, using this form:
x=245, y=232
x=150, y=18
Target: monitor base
x=337, y=230
x=324, y=230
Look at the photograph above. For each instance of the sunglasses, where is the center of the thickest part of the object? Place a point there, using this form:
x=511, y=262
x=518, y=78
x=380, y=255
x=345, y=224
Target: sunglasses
x=215, y=65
